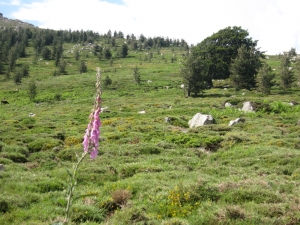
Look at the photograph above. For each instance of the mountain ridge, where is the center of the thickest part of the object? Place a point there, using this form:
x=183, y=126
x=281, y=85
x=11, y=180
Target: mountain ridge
x=5, y=22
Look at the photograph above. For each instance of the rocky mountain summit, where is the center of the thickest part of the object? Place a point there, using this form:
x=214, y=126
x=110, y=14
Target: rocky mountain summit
x=5, y=22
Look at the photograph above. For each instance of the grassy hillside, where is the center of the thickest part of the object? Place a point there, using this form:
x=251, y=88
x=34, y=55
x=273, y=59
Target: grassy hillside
x=148, y=171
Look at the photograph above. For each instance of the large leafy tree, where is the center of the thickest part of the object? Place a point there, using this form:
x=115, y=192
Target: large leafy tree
x=244, y=68
x=219, y=49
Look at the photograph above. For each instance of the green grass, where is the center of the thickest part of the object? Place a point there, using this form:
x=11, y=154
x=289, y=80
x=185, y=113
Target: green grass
x=245, y=174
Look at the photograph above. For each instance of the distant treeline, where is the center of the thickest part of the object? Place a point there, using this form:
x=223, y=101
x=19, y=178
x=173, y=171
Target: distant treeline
x=13, y=42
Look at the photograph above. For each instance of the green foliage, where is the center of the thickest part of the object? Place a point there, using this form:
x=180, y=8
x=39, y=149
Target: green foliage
x=87, y=213
x=149, y=150
x=76, y=54
x=219, y=49
x=137, y=75
x=18, y=76
x=195, y=75
x=244, y=68
x=243, y=174
x=178, y=122
x=43, y=144
x=46, y=53
x=266, y=79
x=287, y=77
x=107, y=53
x=3, y=206
x=46, y=186
x=82, y=68
x=67, y=155
x=107, y=81
x=13, y=156
x=32, y=90
x=62, y=66
x=124, y=50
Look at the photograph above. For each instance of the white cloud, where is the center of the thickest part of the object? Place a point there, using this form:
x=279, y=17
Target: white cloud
x=13, y=2
x=272, y=22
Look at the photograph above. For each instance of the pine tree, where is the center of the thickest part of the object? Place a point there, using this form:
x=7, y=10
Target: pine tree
x=244, y=68
x=82, y=67
x=62, y=66
x=286, y=74
x=32, y=90
x=76, y=54
x=195, y=75
x=18, y=76
x=107, y=81
x=266, y=79
x=137, y=75
x=124, y=50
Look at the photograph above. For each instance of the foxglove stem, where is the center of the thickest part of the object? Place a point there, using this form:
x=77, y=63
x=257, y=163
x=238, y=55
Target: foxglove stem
x=90, y=143
x=72, y=186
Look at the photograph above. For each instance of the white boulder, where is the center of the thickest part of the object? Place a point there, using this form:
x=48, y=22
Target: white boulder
x=247, y=107
x=200, y=120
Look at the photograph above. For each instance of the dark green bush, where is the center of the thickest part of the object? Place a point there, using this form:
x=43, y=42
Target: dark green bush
x=16, y=149
x=41, y=157
x=43, y=144
x=49, y=185
x=67, y=155
x=15, y=157
x=3, y=206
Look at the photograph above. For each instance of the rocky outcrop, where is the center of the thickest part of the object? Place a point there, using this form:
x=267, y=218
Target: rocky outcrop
x=5, y=22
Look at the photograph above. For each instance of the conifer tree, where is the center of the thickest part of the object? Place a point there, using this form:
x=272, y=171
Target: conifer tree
x=137, y=75
x=286, y=73
x=244, y=68
x=82, y=67
x=124, y=50
x=266, y=79
x=32, y=90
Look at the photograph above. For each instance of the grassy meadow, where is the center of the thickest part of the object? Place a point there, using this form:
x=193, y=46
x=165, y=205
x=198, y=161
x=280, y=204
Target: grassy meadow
x=148, y=172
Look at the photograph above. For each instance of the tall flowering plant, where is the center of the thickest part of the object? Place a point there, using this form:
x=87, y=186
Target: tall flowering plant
x=90, y=144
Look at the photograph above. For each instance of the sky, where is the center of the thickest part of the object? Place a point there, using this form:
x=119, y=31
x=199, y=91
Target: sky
x=274, y=23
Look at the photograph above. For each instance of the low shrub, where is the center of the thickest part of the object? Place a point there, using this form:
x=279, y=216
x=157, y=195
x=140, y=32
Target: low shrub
x=43, y=144
x=149, y=150
x=48, y=186
x=73, y=141
x=67, y=154
x=5, y=161
x=166, y=145
x=3, y=206
x=16, y=149
x=14, y=156
x=179, y=122
x=87, y=213
x=239, y=196
x=41, y=157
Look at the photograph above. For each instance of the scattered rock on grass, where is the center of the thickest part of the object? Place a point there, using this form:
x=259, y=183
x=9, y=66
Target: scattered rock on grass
x=247, y=107
x=233, y=122
x=200, y=120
